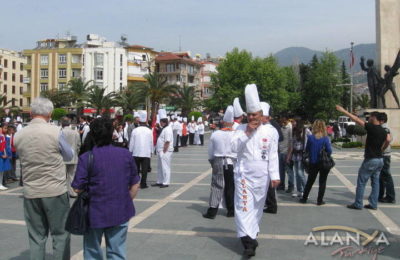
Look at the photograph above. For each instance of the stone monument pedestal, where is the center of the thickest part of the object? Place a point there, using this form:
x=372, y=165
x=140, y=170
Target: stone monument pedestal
x=393, y=123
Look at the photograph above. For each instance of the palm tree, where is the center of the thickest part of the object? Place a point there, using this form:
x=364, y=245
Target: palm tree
x=97, y=99
x=128, y=99
x=363, y=101
x=4, y=103
x=79, y=92
x=59, y=98
x=155, y=90
x=186, y=98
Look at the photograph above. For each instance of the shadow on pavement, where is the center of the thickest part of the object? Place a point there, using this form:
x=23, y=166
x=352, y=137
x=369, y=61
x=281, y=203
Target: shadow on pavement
x=25, y=255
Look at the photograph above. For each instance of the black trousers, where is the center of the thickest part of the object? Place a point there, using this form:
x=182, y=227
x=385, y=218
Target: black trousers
x=270, y=201
x=142, y=164
x=184, y=139
x=201, y=139
x=386, y=181
x=191, y=138
x=312, y=176
x=229, y=189
x=176, y=145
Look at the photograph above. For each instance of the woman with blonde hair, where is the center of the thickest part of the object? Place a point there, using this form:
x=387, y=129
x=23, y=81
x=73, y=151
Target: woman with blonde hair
x=315, y=143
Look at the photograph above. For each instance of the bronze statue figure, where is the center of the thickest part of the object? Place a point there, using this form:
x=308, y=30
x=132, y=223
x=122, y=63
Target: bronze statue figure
x=375, y=81
x=391, y=72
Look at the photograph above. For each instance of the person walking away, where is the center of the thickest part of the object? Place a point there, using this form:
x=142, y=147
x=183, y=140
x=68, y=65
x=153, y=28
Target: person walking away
x=296, y=155
x=377, y=141
x=284, y=147
x=385, y=179
x=141, y=146
x=164, y=151
x=43, y=149
x=113, y=184
x=222, y=161
x=175, y=130
x=238, y=113
x=257, y=165
x=201, y=130
x=192, y=131
x=315, y=143
x=73, y=139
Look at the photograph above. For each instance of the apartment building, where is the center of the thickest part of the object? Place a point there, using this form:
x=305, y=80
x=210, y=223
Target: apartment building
x=105, y=63
x=12, y=78
x=51, y=64
x=141, y=60
x=179, y=68
x=208, y=68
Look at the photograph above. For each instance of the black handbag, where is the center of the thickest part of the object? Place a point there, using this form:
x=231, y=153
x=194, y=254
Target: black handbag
x=78, y=220
x=306, y=161
x=327, y=161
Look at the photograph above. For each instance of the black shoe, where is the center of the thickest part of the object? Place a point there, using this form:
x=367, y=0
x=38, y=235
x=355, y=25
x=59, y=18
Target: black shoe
x=156, y=185
x=387, y=200
x=351, y=206
x=270, y=210
x=249, y=252
x=370, y=207
x=230, y=214
x=303, y=200
x=164, y=186
x=289, y=190
x=211, y=213
x=144, y=186
x=320, y=203
x=280, y=188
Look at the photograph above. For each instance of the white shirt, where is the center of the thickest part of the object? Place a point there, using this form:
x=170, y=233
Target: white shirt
x=192, y=128
x=220, y=144
x=180, y=129
x=176, y=126
x=19, y=127
x=86, y=130
x=261, y=146
x=141, y=143
x=235, y=125
x=201, y=129
x=165, y=136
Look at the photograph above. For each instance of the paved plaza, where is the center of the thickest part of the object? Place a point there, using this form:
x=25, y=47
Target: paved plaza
x=169, y=224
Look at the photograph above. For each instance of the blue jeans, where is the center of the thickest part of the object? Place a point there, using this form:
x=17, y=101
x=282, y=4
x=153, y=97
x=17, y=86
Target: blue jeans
x=370, y=168
x=115, y=238
x=300, y=177
x=283, y=169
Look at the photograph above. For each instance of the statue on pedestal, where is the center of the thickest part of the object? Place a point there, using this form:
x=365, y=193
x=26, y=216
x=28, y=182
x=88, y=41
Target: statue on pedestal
x=391, y=72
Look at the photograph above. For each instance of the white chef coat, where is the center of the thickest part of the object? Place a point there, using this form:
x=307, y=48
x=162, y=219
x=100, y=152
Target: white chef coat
x=235, y=125
x=86, y=130
x=192, y=128
x=180, y=129
x=165, y=136
x=201, y=129
x=141, y=142
x=257, y=164
x=220, y=145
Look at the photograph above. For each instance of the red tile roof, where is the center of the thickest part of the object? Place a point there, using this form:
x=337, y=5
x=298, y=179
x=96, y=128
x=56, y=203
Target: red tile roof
x=169, y=56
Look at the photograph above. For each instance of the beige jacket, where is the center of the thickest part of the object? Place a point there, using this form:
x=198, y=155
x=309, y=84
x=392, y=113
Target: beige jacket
x=74, y=140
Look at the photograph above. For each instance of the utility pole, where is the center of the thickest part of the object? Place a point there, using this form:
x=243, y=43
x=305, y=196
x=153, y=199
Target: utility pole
x=351, y=77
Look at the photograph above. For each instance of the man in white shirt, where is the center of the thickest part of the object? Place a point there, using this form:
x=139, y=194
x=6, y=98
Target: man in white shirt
x=141, y=145
x=222, y=161
x=200, y=127
x=192, y=130
x=176, y=127
x=238, y=113
x=164, y=151
x=257, y=154
x=83, y=128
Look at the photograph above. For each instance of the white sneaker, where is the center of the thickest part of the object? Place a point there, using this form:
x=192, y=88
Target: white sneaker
x=294, y=195
x=300, y=195
x=3, y=188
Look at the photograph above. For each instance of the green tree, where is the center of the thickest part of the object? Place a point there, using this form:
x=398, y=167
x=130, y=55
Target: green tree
x=58, y=113
x=129, y=99
x=79, y=91
x=59, y=98
x=345, y=81
x=4, y=104
x=156, y=90
x=99, y=100
x=362, y=101
x=186, y=98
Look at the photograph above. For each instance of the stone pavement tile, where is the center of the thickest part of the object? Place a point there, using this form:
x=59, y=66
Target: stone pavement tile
x=201, y=193
x=11, y=207
x=393, y=213
x=156, y=192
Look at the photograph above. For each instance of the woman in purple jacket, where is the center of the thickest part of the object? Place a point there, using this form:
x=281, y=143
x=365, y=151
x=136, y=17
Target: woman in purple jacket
x=315, y=143
x=113, y=184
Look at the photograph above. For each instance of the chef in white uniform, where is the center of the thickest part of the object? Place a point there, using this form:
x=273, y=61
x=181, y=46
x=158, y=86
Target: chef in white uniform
x=164, y=151
x=257, y=164
x=201, y=127
x=237, y=113
x=192, y=130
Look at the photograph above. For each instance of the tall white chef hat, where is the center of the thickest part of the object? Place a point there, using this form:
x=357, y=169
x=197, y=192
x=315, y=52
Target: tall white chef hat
x=142, y=116
x=252, y=100
x=162, y=114
x=237, y=109
x=192, y=118
x=228, y=116
x=185, y=119
x=265, y=108
x=135, y=114
x=179, y=118
x=199, y=120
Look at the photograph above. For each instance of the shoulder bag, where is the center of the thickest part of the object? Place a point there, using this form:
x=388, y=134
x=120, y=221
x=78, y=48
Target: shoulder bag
x=327, y=161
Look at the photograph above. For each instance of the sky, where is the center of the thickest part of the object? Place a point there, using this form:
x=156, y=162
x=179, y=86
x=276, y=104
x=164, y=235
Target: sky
x=201, y=26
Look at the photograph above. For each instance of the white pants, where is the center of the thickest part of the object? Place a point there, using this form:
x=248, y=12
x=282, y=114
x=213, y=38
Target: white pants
x=71, y=168
x=164, y=167
x=251, y=187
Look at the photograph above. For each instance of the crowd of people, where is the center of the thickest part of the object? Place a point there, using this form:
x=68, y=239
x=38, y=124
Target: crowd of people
x=250, y=155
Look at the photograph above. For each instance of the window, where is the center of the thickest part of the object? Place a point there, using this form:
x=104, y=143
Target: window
x=5, y=63
x=170, y=67
x=5, y=101
x=21, y=102
x=62, y=73
x=21, y=66
x=5, y=89
x=13, y=77
x=120, y=86
x=44, y=73
x=44, y=87
x=61, y=86
x=14, y=65
x=21, y=90
x=62, y=58
x=28, y=101
x=76, y=73
x=98, y=59
x=183, y=66
x=144, y=57
x=13, y=102
x=44, y=59
x=21, y=78
x=121, y=59
x=76, y=58
x=178, y=78
x=120, y=74
x=5, y=75
x=28, y=60
x=13, y=89
x=98, y=74
x=190, y=69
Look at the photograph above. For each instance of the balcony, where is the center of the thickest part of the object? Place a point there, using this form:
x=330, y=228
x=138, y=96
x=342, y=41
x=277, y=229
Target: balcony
x=26, y=80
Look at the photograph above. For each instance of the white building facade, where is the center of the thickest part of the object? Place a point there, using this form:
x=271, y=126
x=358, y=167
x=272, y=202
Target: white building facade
x=105, y=63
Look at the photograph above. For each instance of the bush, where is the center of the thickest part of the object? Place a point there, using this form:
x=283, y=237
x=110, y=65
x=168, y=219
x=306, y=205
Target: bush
x=128, y=116
x=58, y=113
x=341, y=140
x=356, y=130
x=195, y=114
x=352, y=145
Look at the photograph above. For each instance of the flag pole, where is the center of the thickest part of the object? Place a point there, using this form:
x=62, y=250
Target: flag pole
x=351, y=76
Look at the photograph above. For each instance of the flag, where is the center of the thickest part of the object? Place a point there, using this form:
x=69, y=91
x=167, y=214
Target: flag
x=352, y=59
